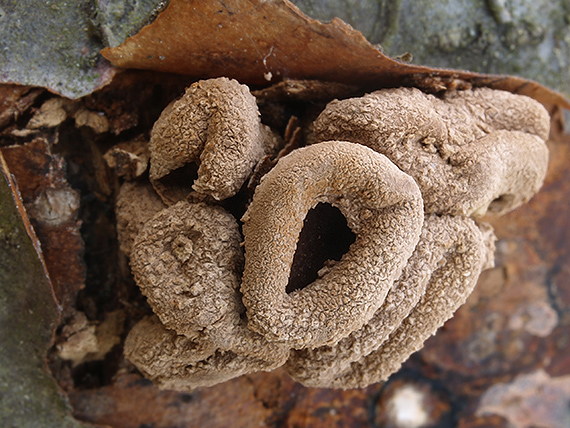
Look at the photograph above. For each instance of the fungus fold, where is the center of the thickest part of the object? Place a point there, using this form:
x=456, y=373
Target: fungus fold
x=382, y=206
x=211, y=138
x=402, y=173
x=471, y=152
x=450, y=255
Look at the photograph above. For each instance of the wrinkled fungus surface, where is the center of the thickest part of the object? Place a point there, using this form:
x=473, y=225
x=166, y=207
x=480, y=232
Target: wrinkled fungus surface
x=402, y=177
x=383, y=207
x=187, y=262
x=439, y=276
x=214, y=126
x=471, y=152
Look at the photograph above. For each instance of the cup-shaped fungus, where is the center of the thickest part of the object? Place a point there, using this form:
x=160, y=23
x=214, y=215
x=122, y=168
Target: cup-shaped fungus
x=209, y=140
x=450, y=255
x=383, y=208
x=471, y=152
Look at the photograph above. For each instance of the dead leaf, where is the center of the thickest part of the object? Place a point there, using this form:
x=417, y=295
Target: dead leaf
x=14, y=100
x=260, y=42
x=53, y=208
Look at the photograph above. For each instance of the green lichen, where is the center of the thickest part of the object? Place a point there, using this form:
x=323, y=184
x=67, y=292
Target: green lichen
x=119, y=19
x=45, y=43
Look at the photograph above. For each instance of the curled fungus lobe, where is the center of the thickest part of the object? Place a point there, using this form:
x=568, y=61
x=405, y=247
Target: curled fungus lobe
x=214, y=129
x=471, y=152
x=382, y=206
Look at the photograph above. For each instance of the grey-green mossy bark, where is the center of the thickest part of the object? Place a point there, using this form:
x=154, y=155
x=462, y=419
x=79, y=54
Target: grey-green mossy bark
x=119, y=19
x=29, y=396
x=56, y=44
x=518, y=37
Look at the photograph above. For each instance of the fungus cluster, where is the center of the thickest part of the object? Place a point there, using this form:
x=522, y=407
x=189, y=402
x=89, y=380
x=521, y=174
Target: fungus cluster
x=409, y=174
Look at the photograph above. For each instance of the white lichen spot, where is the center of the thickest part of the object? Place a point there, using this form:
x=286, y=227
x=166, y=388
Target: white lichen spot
x=407, y=408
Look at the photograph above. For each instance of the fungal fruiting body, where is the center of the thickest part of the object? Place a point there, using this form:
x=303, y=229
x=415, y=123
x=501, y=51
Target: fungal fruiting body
x=214, y=128
x=408, y=171
x=136, y=204
x=175, y=361
x=471, y=152
x=382, y=206
x=438, y=277
x=192, y=284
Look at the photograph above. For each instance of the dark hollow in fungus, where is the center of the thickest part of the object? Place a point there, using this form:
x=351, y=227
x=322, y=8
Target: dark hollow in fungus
x=325, y=236
x=501, y=203
x=179, y=182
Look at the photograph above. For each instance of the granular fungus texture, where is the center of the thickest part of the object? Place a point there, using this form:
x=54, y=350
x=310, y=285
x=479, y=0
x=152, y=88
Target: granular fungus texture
x=162, y=354
x=187, y=261
x=445, y=242
x=382, y=206
x=403, y=172
x=471, y=152
x=137, y=202
x=174, y=361
x=211, y=138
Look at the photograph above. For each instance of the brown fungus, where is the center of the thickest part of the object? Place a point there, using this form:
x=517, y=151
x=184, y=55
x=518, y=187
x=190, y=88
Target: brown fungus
x=444, y=241
x=383, y=208
x=447, y=290
x=471, y=152
x=387, y=288
x=137, y=203
x=187, y=260
x=174, y=361
x=208, y=140
x=161, y=353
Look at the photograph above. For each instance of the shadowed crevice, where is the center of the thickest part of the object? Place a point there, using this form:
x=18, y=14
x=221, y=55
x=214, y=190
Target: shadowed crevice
x=325, y=236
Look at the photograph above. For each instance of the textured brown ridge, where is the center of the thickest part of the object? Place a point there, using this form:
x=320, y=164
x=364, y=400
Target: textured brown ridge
x=192, y=285
x=367, y=355
x=216, y=127
x=471, y=153
x=383, y=207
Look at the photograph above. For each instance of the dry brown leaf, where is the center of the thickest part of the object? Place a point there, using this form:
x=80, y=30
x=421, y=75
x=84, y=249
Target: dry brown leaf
x=29, y=314
x=259, y=42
